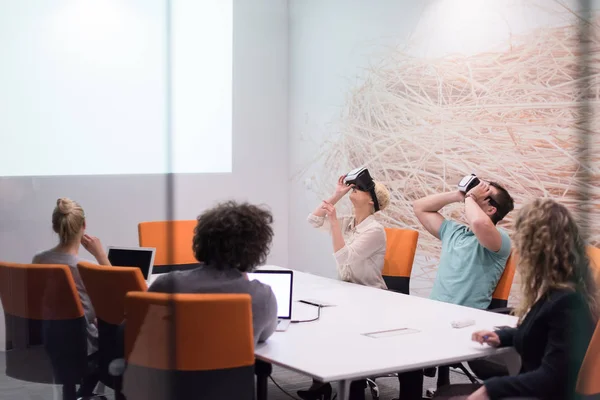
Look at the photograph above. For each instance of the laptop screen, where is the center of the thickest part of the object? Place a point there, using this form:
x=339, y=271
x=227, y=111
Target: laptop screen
x=142, y=258
x=281, y=283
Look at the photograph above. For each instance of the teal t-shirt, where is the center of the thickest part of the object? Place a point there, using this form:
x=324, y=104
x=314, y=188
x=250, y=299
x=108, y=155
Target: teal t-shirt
x=468, y=272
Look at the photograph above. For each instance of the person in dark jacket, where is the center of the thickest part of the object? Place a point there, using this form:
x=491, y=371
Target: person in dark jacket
x=558, y=311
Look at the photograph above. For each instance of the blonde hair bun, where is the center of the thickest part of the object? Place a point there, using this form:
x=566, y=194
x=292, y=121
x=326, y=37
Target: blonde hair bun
x=65, y=206
x=383, y=195
x=67, y=220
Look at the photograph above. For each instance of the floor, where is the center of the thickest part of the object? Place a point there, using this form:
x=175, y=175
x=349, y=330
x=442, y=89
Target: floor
x=12, y=389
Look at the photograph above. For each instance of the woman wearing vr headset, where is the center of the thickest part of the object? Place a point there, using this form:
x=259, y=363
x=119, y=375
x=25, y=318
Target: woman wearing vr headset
x=358, y=240
x=359, y=247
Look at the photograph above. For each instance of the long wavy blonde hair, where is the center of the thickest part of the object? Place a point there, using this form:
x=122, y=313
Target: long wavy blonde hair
x=552, y=254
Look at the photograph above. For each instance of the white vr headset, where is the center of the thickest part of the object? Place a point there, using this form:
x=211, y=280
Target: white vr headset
x=468, y=182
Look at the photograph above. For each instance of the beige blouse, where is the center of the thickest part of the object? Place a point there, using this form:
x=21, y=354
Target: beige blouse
x=361, y=259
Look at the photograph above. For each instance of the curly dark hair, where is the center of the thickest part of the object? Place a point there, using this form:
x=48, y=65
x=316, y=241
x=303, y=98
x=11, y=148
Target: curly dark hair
x=233, y=235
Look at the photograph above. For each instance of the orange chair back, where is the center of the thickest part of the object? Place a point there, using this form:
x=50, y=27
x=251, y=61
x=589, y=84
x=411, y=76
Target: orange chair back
x=107, y=287
x=39, y=291
x=399, y=257
x=172, y=240
x=204, y=341
x=502, y=292
x=588, y=383
x=45, y=324
x=594, y=256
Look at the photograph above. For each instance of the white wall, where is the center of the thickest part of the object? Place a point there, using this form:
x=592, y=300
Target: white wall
x=115, y=204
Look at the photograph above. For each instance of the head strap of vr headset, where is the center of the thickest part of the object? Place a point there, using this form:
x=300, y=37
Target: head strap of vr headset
x=374, y=197
x=366, y=184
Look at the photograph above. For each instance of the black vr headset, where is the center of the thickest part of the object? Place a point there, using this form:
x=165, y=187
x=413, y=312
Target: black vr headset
x=361, y=179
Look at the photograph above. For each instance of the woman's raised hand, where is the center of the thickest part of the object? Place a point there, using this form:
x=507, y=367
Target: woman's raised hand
x=329, y=211
x=341, y=189
x=93, y=245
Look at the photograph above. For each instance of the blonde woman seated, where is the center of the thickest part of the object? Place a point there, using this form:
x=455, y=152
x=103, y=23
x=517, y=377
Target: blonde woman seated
x=359, y=245
x=359, y=240
x=68, y=221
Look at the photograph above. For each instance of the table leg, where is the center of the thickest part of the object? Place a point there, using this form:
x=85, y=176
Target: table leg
x=344, y=390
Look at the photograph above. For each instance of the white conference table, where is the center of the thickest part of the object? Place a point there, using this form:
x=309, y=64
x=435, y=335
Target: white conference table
x=335, y=349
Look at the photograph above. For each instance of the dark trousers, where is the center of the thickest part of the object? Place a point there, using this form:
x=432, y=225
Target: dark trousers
x=91, y=378
x=443, y=376
x=357, y=388
x=456, y=392
x=94, y=376
x=411, y=385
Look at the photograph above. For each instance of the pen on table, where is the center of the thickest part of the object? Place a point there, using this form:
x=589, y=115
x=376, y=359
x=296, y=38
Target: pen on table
x=309, y=303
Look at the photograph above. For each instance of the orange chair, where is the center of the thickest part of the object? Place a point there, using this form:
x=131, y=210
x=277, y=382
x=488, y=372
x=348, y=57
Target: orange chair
x=399, y=256
x=46, y=335
x=588, y=383
x=188, y=345
x=594, y=256
x=502, y=292
x=172, y=241
x=107, y=288
x=401, y=246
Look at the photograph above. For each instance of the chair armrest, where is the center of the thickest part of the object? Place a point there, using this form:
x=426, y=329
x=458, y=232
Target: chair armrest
x=503, y=310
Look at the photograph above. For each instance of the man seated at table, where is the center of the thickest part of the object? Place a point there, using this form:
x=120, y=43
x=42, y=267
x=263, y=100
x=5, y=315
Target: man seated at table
x=230, y=240
x=473, y=256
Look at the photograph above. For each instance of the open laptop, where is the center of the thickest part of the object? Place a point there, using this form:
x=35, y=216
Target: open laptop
x=282, y=283
x=141, y=257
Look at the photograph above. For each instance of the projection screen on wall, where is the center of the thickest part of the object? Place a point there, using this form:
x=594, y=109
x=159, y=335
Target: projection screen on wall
x=85, y=84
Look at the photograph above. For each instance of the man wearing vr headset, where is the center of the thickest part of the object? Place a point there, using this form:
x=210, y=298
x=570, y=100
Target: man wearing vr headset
x=473, y=257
